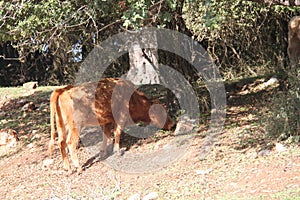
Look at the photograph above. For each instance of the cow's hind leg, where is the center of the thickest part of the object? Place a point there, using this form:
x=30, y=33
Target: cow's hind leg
x=64, y=153
x=62, y=133
x=72, y=142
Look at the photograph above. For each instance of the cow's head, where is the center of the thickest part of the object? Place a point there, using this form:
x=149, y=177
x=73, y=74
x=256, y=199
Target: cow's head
x=159, y=117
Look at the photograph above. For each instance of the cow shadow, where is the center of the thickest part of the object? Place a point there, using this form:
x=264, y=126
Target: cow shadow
x=91, y=139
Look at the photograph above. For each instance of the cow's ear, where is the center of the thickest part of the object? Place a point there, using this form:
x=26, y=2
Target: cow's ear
x=294, y=25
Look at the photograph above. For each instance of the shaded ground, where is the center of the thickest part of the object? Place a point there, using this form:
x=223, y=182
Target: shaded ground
x=235, y=168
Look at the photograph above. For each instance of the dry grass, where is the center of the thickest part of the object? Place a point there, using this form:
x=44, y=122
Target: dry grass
x=231, y=170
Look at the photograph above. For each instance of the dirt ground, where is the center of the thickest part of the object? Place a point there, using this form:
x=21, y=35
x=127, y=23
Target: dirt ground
x=241, y=164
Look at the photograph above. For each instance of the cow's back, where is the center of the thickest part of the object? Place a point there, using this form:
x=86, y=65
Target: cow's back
x=103, y=99
x=77, y=105
x=119, y=100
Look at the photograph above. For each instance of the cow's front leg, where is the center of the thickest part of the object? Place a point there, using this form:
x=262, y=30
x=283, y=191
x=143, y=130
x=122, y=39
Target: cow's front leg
x=106, y=139
x=117, y=134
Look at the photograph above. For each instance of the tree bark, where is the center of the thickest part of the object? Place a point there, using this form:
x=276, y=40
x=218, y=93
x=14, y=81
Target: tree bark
x=143, y=63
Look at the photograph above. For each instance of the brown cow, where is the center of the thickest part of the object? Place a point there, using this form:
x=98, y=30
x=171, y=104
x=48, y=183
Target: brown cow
x=106, y=103
x=294, y=41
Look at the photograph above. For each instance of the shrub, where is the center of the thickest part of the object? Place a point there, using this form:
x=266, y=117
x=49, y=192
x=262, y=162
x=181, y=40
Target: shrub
x=283, y=121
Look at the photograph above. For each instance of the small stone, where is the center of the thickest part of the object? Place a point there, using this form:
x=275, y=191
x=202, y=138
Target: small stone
x=150, y=196
x=264, y=152
x=2, y=114
x=35, y=137
x=280, y=147
x=21, y=102
x=136, y=196
x=203, y=172
x=47, y=163
x=31, y=85
x=28, y=107
x=8, y=137
x=173, y=191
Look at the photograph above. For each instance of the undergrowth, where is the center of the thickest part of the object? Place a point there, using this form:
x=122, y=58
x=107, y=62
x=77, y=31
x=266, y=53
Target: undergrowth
x=283, y=120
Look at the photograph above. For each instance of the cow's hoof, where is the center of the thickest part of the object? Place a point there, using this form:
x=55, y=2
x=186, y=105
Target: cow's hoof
x=67, y=168
x=79, y=170
x=117, y=152
x=102, y=154
x=69, y=172
x=76, y=170
x=120, y=152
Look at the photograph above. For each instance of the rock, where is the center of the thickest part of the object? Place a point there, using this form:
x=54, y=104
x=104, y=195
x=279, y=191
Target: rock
x=2, y=114
x=150, y=196
x=28, y=107
x=35, y=136
x=136, y=196
x=185, y=125
x=30, y=146
x=8, y=137
x=173, y=191
x=47, y=163
x=272, y=83
x=21, y=102
x=30, y=85
x=203, y=172
x=264, y=152
x=280, y=147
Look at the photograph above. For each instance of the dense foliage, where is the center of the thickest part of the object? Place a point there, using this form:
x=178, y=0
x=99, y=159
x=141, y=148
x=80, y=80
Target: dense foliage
x=42, y=34
x=245, y=38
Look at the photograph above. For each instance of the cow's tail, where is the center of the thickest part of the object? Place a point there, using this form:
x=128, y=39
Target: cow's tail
x=54, y=109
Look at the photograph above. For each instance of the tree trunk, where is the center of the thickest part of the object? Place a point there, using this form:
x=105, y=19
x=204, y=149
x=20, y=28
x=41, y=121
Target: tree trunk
x=143, y=64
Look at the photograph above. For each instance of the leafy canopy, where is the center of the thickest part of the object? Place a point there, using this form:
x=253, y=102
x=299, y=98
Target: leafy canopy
x=31, y=23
